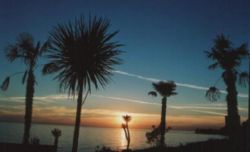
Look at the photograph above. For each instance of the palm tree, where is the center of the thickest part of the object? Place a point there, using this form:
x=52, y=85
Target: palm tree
x=28, y=52
x=56, y=133
x=165, y=89
x=125, y=127
x=228, y=59
x=83, y=55
x=213, y=94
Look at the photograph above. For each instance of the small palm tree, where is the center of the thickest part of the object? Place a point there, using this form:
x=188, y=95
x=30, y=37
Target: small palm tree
x=28, y=52
x=228, y=59
x=213, y=94
x=125, y=127
x=165, y=89
x=56, y=133
x=83, y=55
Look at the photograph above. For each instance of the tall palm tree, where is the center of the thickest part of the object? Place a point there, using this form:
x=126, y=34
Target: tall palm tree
x=125, y=127
x=228, y=59
x=28, y=52
x=83, y=55
x=165, y=89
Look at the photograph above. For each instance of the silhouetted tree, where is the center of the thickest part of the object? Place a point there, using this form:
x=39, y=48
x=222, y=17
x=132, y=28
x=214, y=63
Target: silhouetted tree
x=83, y=56
x=228, y=59
x=56, y=133
x=125, y=127
x=165, y=89
x=153, y=137
x=28, y=52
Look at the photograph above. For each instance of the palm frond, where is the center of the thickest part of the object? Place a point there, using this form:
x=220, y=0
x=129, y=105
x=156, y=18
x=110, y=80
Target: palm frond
x=37, y=48
x=213, y=94
x=25, y=39
x=213, y=66
x=224, y=55
x=24, y=77
x=242, y=50
x=25, y=45
x=12, y=53
x=5, y=84
x=50, y=68
x=56, y=132
x=165, y=88
x=208, y=54
x=45, y=47
x=222, y=42
x=23, y=49
x=152, y=93
x=126, y=118
x=82, y=49
x=243, y=78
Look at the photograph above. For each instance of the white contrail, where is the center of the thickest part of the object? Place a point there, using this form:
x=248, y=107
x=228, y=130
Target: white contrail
x=191, y=86
x=126, y=99
x=188, y=108
x=209, y=112
x=136, y=76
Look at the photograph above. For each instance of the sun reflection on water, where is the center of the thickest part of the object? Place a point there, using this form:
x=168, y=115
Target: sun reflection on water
x=123, y=141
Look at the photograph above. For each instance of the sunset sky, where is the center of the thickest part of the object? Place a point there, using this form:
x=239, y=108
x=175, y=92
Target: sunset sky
x=163, y=40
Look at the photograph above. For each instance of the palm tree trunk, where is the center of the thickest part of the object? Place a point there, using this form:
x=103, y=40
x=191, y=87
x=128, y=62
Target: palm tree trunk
x=28, y=106
x=163, y=121
x=248, y=90
x=78, y=118
x=128, y=137
x=232, y=118
x=56, y=143
x=248, y=120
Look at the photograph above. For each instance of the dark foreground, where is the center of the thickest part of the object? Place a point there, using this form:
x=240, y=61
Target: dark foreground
x=12, y=147
x=214, y=145
x=207, y=146
x=240, y=143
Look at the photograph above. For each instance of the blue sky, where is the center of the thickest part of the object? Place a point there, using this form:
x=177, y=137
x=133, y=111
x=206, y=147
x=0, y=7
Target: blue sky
x=164, y=40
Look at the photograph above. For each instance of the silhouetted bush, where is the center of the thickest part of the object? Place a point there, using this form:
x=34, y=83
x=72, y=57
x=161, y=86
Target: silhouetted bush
x=104, y=149
x=35, y=141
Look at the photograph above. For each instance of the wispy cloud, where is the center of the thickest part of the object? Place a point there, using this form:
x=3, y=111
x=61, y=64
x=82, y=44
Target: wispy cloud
x=191, y=86
x=209, y=112
x=60, y=97
x=200, y=107
x=136, y=76
x=211, y=109
x=126, y=100
x=40, y=99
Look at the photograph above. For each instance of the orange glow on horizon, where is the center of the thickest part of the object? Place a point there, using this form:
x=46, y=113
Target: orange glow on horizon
x=114, y=119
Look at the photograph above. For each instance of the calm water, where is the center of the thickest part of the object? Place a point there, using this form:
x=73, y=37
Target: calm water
x=91, y=137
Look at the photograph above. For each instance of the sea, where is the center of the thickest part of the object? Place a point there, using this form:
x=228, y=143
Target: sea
x=91, y=137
